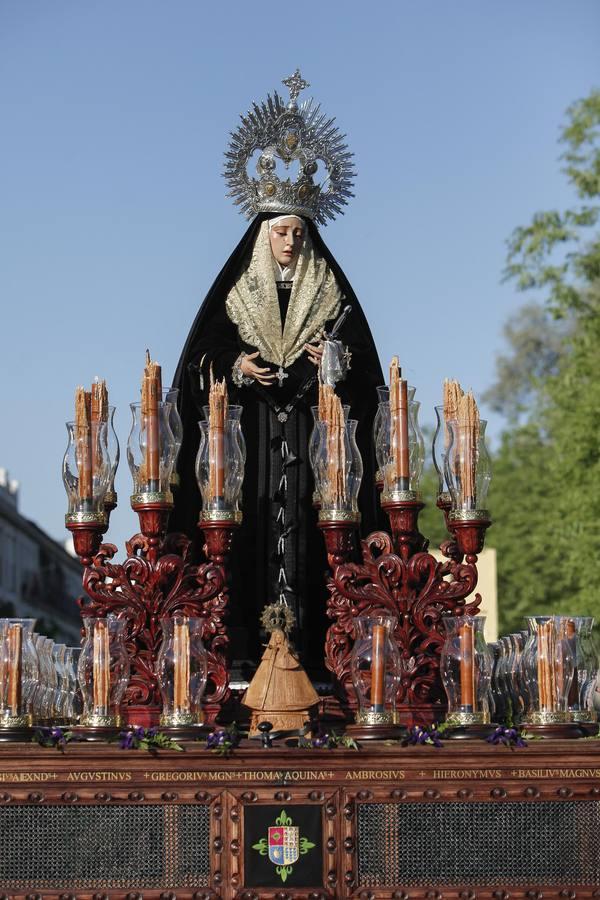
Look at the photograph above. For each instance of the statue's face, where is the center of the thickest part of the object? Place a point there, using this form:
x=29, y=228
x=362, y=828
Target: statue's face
x=286, y=240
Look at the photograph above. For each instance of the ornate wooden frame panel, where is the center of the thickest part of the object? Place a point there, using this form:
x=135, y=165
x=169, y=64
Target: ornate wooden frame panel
x=337, y=782
x=328, y=800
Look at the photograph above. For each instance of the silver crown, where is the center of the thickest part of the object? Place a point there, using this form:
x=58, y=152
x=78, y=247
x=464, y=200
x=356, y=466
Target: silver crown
x=286, y=134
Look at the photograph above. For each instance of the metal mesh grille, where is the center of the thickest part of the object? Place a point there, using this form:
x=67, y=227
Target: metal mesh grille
x=508, y=844
x=81, y=847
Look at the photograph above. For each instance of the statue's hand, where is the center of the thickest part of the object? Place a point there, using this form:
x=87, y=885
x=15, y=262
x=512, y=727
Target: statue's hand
x=315, y=352
x=251, y=370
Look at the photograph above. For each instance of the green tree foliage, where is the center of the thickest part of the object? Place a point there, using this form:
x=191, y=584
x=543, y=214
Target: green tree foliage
x=431, y=519
x=535, y=342
x=546, y=489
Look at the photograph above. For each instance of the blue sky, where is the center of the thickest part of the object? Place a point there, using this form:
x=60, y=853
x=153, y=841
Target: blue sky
x=113, y=219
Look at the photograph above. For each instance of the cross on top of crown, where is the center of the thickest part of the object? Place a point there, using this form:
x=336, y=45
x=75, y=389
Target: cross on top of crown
x=295, y=83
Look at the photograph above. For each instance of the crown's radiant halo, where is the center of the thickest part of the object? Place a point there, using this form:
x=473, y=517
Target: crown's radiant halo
x=285, y=134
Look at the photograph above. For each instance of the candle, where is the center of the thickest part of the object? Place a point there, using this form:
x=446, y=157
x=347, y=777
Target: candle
x=332, y=413
x=83, y=449
x=101, y=663
x=399, y=427
x=546, y=646
x=181, y=657
x=466, y=634
x=378, y=668
x=217, y=418
x=468, y=435
x=452, y=395
x=98, y=416
x=15, y=648
x=151, y=396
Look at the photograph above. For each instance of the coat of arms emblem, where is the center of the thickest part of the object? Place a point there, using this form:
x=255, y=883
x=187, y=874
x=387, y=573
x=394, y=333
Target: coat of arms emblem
x=283, y=845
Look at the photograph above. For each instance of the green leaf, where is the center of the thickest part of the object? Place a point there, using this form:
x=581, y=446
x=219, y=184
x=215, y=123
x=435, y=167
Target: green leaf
x=305, y=845
x=262, y=847
x=284, y=871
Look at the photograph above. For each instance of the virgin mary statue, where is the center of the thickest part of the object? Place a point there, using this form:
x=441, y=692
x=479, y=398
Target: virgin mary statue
x=279, y=301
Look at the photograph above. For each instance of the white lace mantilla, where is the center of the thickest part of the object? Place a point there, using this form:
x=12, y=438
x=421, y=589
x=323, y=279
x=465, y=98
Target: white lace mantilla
x=253, y=306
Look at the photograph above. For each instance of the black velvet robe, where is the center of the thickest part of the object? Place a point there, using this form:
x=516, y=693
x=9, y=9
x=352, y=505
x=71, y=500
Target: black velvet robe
x=270, y=415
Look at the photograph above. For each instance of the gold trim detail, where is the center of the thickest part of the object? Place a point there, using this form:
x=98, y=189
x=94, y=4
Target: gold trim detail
x=548, y=717
x=339, y=515
x=85, y=518
x=8, y=721
x=220, y=515
x=97, y=721
x=144, y=498
x=375, y=718
x=399, y=496
x=584, y=715
x=468, y=515
x=181, y=718
x=468, y=718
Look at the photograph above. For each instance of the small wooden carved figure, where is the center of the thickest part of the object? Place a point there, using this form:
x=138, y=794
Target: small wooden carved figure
x=280, y=691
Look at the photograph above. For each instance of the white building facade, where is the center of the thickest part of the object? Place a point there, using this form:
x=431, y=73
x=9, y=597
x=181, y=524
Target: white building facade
x=38, y=578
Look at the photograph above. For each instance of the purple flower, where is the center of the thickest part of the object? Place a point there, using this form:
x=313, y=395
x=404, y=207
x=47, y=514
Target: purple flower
x=223, y=740
x=127, y=740
x=510, y=737
x=52, y=737
x=419, y=735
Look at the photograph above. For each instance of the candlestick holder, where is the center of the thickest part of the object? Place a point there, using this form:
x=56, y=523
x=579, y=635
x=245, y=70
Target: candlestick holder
x=580, y=699
x=547, y=666
x=181, y=670
x=103, y=674
x=401, y=481
x=467, y=471
x=397, y=577
x=159, y=577
x=375, y=670
x=338, y=471
x=86, y=474
x=220, y=467
x=151, y=450
x=19, y=674
x=466, y=670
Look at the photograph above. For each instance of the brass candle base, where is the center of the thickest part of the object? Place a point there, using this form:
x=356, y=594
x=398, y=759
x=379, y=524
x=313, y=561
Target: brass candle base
x=549, y=724
x=16, y=728
x=97, y=728
x=468, y=726
x=376, y=726
x=587, y=719
x=182, y=726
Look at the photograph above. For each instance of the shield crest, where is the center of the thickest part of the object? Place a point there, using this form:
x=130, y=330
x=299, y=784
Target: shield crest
x=284, y=844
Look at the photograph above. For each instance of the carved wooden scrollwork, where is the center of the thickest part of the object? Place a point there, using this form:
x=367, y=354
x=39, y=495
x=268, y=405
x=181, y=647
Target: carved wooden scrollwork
x=157, y=580
x=418, y=590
